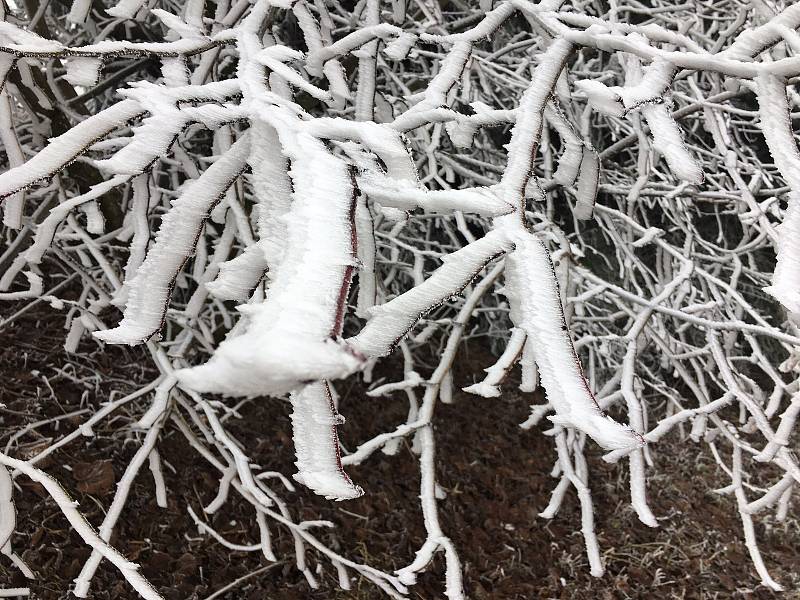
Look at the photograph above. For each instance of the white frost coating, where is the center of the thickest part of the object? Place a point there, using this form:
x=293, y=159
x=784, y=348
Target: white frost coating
x=530, y=372
x=126, y=9
x=237, y=277
x=435, y=94
x=578, y=165
x=79, y=11
x=319, y=463
x=175, y=71
x=19, y=40
x=46, y=230
x=618, y=101
x=393, y=193
x=463, y=128
x=648, y=95
x=381, y=140
x=602, y=98
x=13, y=206
x=150, y=289
x=397, y=49
x=569, y=163
x=490, y=386
x=151, y=139
x=63, y=149
x=175, y=23
x=533, y=294
x=140, y=204
x=588, y=180
x=83, y=71
x=129, y=570
x=274, y=58
x=273, y=191
x=307, y=292
x=777, y=129
x=8, y=514
x=389, y=322
x=367, y=281
x=668, y=140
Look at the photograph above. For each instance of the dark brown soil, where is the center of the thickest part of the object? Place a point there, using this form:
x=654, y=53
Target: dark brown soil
x=496, y=477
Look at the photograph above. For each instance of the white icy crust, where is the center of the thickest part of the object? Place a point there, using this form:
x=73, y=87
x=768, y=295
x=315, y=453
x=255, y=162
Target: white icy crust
x=83, y=71
x=273, y=195
x=649, y=95
x=63, y=149
x=237, y=277
x=149, y=291
x=389, y=322
x=532, y=291
x=319, y=464
x=125, y=9
x=774, y=115
x=289, y=338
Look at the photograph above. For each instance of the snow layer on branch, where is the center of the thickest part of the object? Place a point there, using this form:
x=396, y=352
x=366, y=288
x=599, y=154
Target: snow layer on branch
x=588, y=181
x=569, y=163
x=83, y=71
x=238, y=276
x=62, y=150
x=13, y=207
x=777, y=128
x=275, y=57
x=391, y=192
x=290, y=338
x=125, y=9
x=319, y=463
x=399, y=46
x=149, y=291
x=175, y=23
x=389, y=322
x=175, y=71
x=151, y=140
x=648, y=94
x=8, y=514
x=383, y=140
x=532, y=290
x=668, y=140
x=79, y=11
x=490, y=386
x=21, y=41
x=618, y=101
x=273, y=191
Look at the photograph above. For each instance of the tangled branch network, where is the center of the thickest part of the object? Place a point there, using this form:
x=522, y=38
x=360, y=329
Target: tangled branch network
x=608, y=191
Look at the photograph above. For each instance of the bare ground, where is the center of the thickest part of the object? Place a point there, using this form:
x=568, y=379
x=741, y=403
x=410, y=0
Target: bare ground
x=496, y=477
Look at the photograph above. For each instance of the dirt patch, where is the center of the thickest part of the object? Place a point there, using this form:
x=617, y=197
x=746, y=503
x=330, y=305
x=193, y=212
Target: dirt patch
x=495, y=475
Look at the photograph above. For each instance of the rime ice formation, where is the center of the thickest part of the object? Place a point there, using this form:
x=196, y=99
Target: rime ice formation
x=319, y=464
x=532, y=290
x=289, y=190
x=149, y=290
x=777, y=128
x=290, y=338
